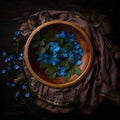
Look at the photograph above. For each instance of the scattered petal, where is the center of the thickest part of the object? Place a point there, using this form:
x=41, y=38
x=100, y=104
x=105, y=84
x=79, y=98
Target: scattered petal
x=17, y=33
x=27, y=94
x=13, y=85
x=16, y=67
x=17, y=94
x=23, y=86
x=3, y=71
x=4, y=54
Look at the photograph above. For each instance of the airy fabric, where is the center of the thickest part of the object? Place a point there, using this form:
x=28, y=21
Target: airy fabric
x=101, y=79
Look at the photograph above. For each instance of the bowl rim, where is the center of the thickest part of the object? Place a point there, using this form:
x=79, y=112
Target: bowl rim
x=26, y=57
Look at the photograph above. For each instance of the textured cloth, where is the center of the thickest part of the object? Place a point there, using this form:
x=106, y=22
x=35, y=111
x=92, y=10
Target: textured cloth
x=101, y=79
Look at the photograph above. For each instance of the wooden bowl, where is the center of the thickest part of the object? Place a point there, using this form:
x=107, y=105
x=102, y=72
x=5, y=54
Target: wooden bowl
x=33, y=65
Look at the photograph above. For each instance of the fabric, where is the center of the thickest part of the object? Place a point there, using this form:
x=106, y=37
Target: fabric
x=101, y=79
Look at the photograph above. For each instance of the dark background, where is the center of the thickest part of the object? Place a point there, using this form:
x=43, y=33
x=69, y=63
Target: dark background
x=12, y=14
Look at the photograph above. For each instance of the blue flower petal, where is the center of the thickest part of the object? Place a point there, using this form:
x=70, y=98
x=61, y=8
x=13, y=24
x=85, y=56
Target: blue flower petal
x=79, y=62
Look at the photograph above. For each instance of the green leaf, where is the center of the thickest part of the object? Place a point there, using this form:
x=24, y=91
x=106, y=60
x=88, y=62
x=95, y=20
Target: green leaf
x=53, y=76
x=60, y=41
x=67, y=65
x=43, y=50
x=54, y=68
x=35, y=44
x=77, y=70
x=50, y=32
x=49, y=71
x=43, y=66
x=38, y=38
x=47, y=46
x=71, y=71
x=49, y=35
x=67, y=77
x=42, y=43
x=38, y=50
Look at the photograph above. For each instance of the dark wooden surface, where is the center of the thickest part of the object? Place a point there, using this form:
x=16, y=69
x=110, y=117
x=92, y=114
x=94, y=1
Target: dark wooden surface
x=12, y=14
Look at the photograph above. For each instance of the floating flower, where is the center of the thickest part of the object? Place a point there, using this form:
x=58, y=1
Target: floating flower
x=63, y=53
x=17, y=33
x=16, y=67
x=13, y=84
x=12, y=57
x=24, y=86
x=20, y=57
x=3, y=71
x=17, y=94
x=27, y=94
x=4, y=54
x=7, y=60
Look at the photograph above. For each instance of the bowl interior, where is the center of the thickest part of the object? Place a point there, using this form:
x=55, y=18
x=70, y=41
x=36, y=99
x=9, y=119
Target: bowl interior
x=34, y=67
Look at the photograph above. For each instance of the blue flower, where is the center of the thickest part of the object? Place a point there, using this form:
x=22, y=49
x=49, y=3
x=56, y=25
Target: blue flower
x=77, y=46
x=81, y=52
x=21, y=54
x=79, y=62
x=3, y=71
x=12, y=57
x=61, y=71
x=17, y=94
x=54, y=47
x=4, y=54
x=7, y=60
x=27, y=94
x=20, y=57
x=17, y=33
x=69, y=37
x=24, y=86
x=60, y=34
x=16, y=67
x=13, y=84
x=43, y=58
x=53, y=59
x=63, y=53
x=40, y=56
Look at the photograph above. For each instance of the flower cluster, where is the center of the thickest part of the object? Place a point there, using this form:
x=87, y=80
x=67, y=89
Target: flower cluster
x=11, y=66
x=59, y=56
